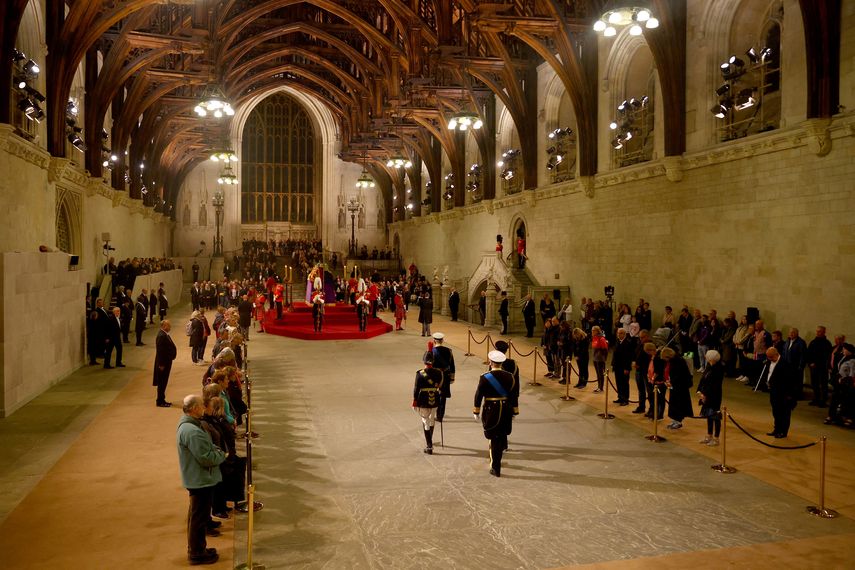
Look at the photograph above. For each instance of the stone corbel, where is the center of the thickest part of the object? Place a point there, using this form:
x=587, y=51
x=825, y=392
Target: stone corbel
x=93, y=186
x=530, y=197
x=818, y=136
x=673, y=168
x=588, y=184
x=57, y=168
x=488, y=206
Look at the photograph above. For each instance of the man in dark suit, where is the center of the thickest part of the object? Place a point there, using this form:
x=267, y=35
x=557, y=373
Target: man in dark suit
x=453, y=303
x=165, y=353
x=113, y=339
x=162, y=302
x=781, y=380
x=196, y=296
x=503, y=312
x=141, y=314
x=528, y=315
x=245, y=308
x=126, y=306
x=152, y=306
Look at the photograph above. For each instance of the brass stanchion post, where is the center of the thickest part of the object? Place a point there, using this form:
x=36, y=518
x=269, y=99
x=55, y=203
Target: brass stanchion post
x=655, y=437
x=605, y=414
x=534, y=381
x=244, y=507
x=567, y=397
x=821, y=511
x=249, y=564
x=468, y=342
x=723, y=467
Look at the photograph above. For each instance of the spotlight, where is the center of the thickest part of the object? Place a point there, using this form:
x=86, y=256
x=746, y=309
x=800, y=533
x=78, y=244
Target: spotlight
x=550, y=150
x=20, y=83
x=26, y=105
x=724, y=88
x=642, y=15
x=752, y=56
x=599, y=26
x=18, y=56
x=744, y=100
x=651, y=24
x=644, y=101
x=76, y=142
x=622, y=107
x=617, y=143
x=635, y=103
x=32, y=67
x=610, y=32
x=71, y=108
x=628, y=136
x=613, y=125
x=720, y=111
x=765, y=54
x=635, y=30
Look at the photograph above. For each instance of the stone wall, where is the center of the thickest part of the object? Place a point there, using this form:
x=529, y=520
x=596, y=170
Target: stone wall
x=43, y=308
x=765, y=221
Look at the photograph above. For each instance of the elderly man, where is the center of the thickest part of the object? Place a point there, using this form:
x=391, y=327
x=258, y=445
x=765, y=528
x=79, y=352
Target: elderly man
x=783, y=391
x=165, y=353
x=199, y=461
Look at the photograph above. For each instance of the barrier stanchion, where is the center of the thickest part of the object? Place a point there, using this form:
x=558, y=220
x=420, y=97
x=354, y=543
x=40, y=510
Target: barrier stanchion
x=534, y=381
x=605, y=414
x=249, y=564
x=244, y=506
x=723, y=467
x=468, y=342
x=249, y=432
x=655, y=437
x=821, y=511
x=568, y=366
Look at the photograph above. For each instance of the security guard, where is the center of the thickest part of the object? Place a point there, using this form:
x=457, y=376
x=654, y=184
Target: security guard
x=426, y=397
x=443, y=360
x=499, y=392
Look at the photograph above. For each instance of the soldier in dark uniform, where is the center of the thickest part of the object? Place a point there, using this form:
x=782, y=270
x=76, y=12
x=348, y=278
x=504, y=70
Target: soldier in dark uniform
x=503, y=312
x=443, y=360
x=499, y=393
x=454, y=303
x=426, y=397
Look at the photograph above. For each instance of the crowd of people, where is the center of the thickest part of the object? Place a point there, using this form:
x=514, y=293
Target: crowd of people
x=108, y=327
x=127, y=270
x=664, y=355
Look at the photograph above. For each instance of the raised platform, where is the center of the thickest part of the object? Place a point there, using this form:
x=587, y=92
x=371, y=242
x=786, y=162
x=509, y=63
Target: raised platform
x=340, y=323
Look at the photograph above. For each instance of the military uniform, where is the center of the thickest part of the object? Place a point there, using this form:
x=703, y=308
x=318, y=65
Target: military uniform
x=362, y=308
x=318, y=311
x=443, y=361
x=426, y=398
x=500, y=404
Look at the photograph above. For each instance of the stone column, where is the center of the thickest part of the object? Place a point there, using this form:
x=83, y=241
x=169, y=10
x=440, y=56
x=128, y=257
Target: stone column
x=438, y=303
x=490, y=317
x=446, y=291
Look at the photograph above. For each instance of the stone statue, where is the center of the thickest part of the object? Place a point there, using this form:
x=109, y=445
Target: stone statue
x=445, y=275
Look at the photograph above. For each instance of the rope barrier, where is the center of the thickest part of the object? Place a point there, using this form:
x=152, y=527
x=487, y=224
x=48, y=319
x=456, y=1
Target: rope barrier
x=520, y=354
x=606, y=415
x=655, y=437
x=568, y=368
x=616, y=390
x=821, y=511
x=723, y=467
x=534, y=381
x=743, y=430
x=482, y=341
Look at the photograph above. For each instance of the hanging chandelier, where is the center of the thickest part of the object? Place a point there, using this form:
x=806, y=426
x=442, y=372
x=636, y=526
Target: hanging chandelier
x=213, y=101
x=224, y=156
x=365, y=180
x=398, y=161
x=632, y=16
x=227, y=177
x=464, y=120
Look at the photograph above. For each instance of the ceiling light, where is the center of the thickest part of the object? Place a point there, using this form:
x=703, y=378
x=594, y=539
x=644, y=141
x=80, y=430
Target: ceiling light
x=464, y=120
x=621, y=16
x=720, y=111
x=224, y=156
x=365, y=180
x=398, y=161
x=227, y=177
x=213, y=101
x=32, y=67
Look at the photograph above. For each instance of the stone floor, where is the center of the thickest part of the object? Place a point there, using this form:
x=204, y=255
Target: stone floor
x=88, y=477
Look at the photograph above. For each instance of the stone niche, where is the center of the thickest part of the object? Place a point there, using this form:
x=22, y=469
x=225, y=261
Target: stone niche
x=42, y=303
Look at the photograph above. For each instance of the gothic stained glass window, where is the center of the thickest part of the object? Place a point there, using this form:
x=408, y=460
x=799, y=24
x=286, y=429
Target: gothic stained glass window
x=278, y=163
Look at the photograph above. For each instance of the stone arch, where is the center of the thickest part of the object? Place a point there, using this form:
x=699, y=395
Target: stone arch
x=630, y=71
x=31, y=41
x=730, y=27
x=68, y=220
x=558, y=112
x=326, y=147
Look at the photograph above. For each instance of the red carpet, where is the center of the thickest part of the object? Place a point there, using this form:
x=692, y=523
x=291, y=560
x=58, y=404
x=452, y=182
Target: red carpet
x=340, y=323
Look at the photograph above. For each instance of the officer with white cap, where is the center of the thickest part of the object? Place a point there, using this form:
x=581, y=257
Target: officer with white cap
x=497, y=390
x=426, y=397
x=443, y=360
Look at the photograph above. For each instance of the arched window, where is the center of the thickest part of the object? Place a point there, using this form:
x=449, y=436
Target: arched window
x=63, y=231
x=278, y=163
